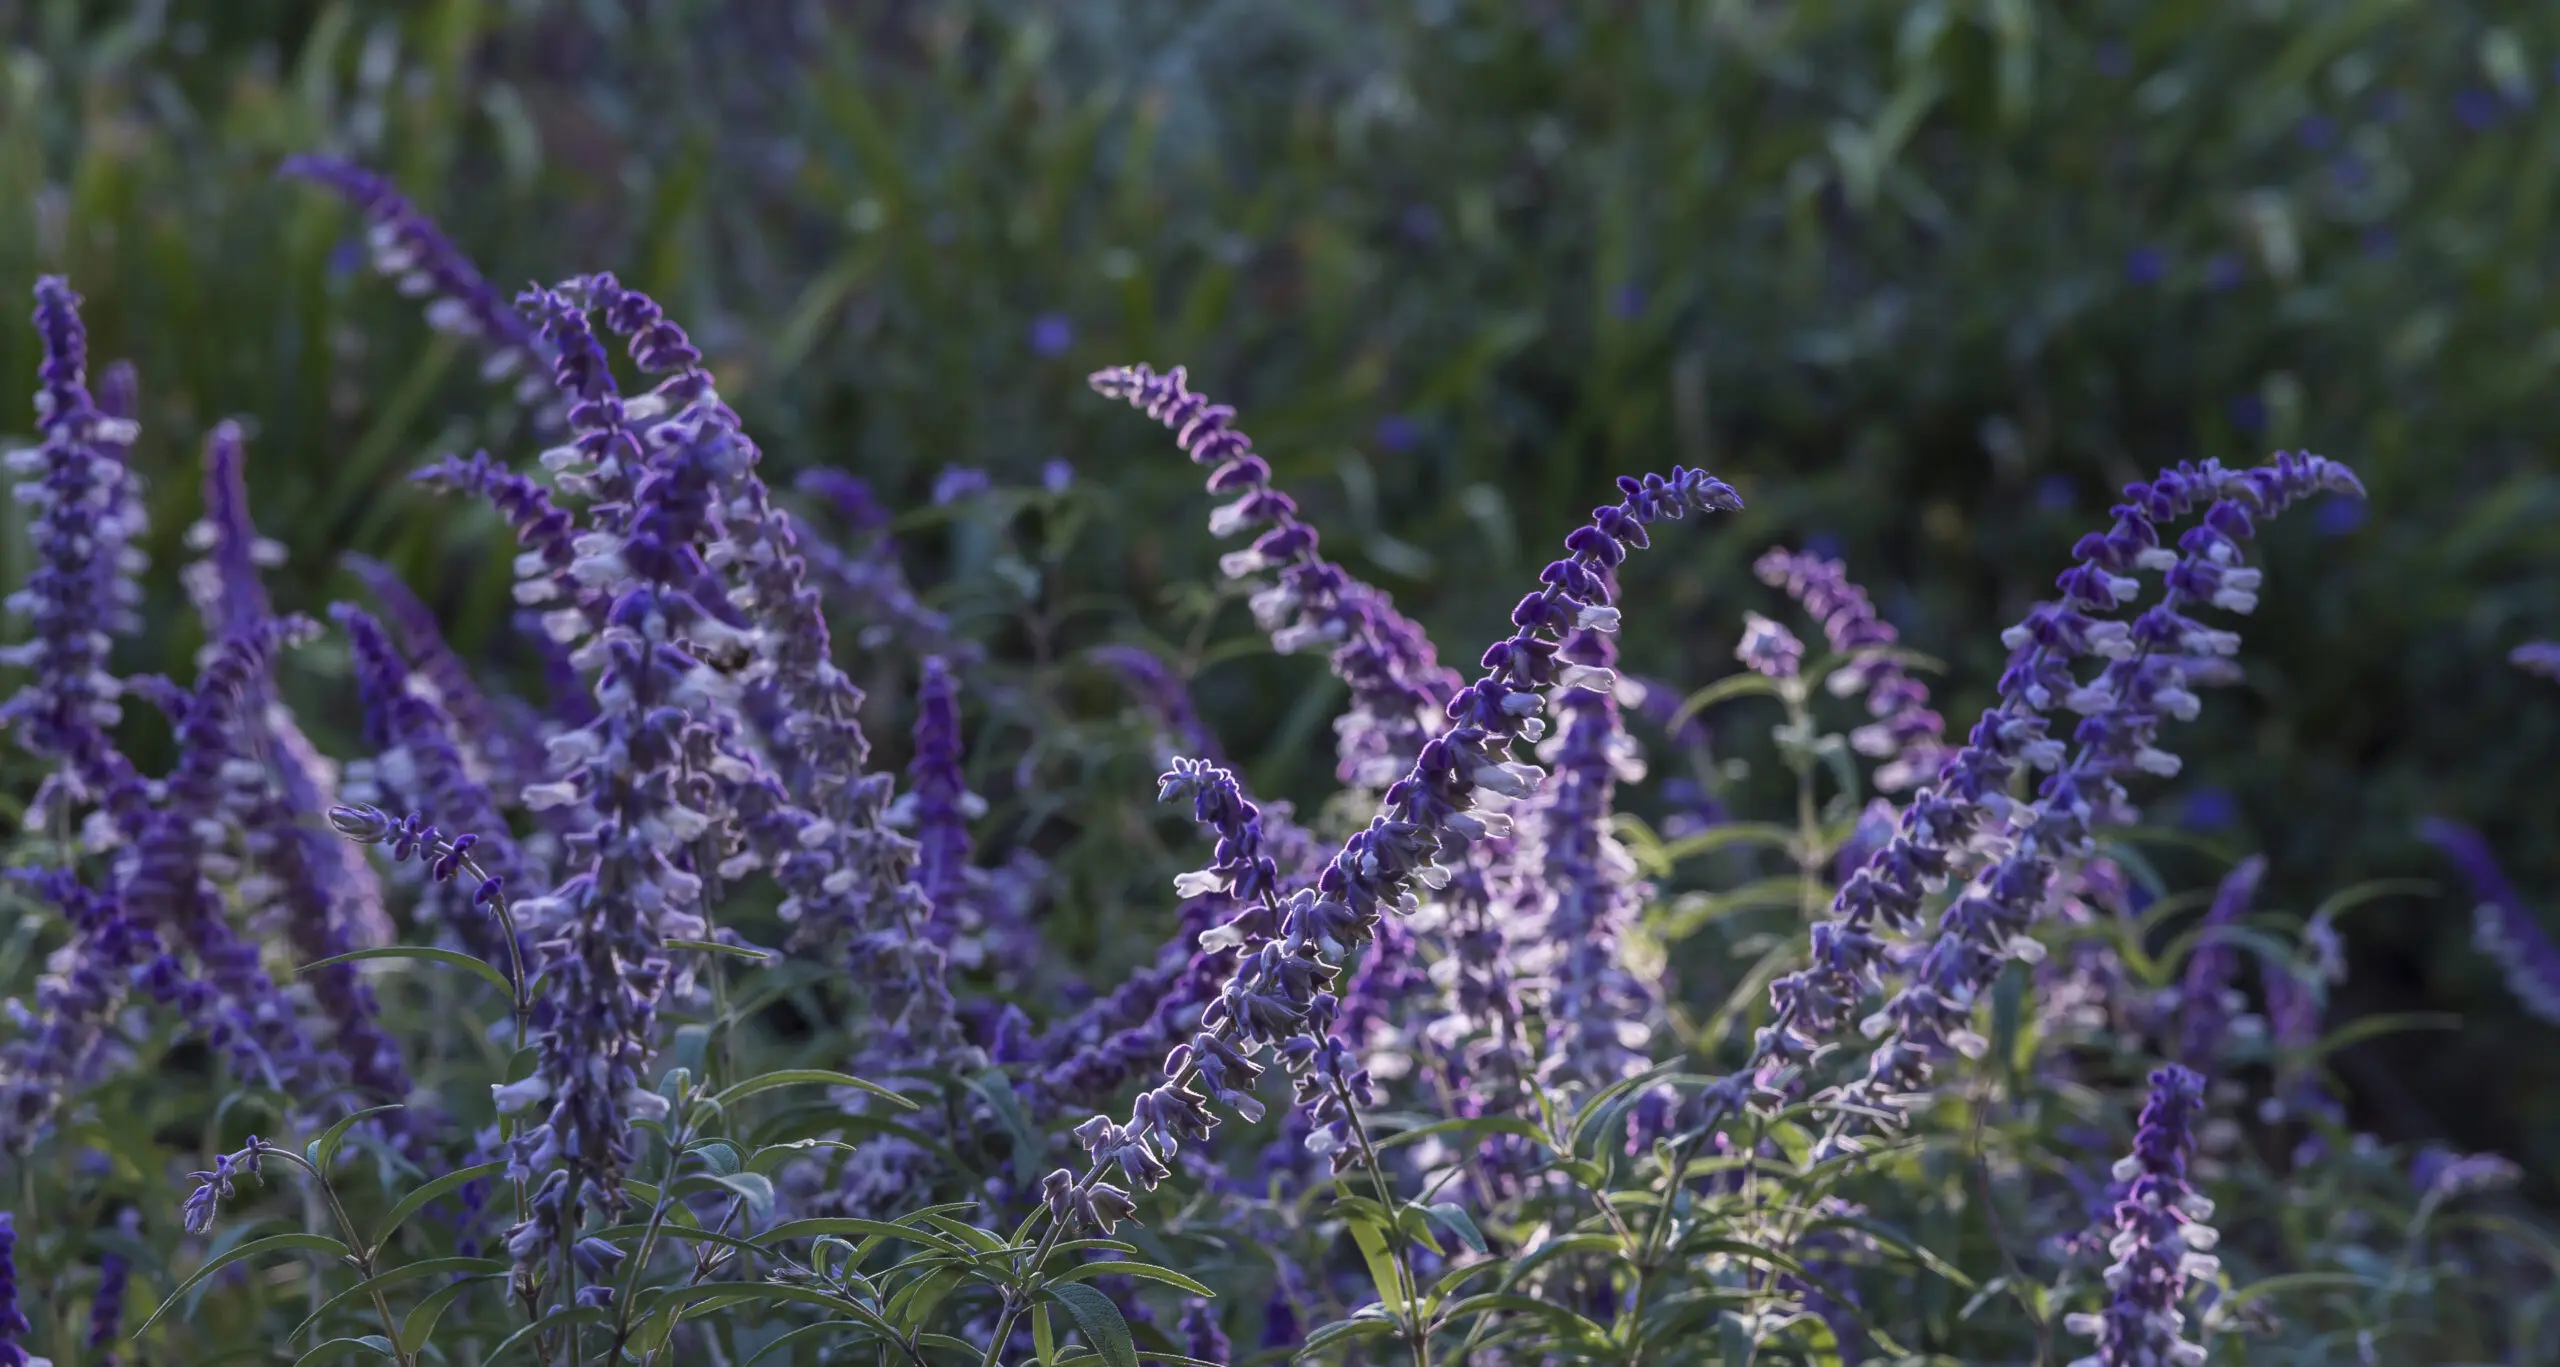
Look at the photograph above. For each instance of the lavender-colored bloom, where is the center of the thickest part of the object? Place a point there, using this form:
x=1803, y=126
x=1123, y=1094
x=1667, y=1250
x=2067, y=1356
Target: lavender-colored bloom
x=2209, y=809
x=2056, y=493
x=2145, y=266
x=2442, y=1175
x=1873, y=831
x=957, y=484
x=1598, y=1009
x=1203, y=1337
x=870, y=587
x=847, y=496
x=13, y=1322
x=1769, y=649
x=942, y=802
x=547, y=568
x=1281, y=992
x=2224, y=271
x=106, y=1309
x=69, y=599
x=1396, y=680
x=1056, y=475
x=2114, y=59
x=2477, y=109
x=2207, y=996
x=2502, y=926
x=2339, y=516
x=410, y=249
x=1166, y=699
x=1052, y=333
x=2161, y=1242
x=1905, y=735
x=1627, y=301
x=1396, y=434
x=213, y=1186
x=2538, y=658
x=499, y=747
x=1965, y=828
x=2316, y=131
x=420, y=766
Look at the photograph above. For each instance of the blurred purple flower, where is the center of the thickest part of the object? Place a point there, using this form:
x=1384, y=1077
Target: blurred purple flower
x=2350, y=172
x=1397, y=433
x=2502, y=926
x=2539, y=658
x=1420, y=222
x=958, y=482
x=2380, y=242
x=2441, y=1174
x=2339, y=516
x=2145, y=266
x=2114, y=59
x=2209, y=809
x=2224, y=271
x=1057, y=475
x=2477, y=109
x=2249, y=413
x=2316, y=131
x=2206, y=998
x=1627, y=301
x=1768, y=649
x=13, y=1321
x=1052, y=334
x=2387, y=106
x=2056, y=493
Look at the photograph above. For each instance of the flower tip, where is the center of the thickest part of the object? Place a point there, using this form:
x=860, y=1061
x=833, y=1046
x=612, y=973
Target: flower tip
x=360, y=822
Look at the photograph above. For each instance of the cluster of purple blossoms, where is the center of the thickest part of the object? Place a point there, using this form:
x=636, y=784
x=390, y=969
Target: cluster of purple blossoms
x=1768, y=649
x=499, y=741
x=866, y=577
x=2002, y=854
x=1281, y=994
x=2538, y=658
x=1905, y=734
x=2161, y=1245
x=13, y=1321
x=2502, y=926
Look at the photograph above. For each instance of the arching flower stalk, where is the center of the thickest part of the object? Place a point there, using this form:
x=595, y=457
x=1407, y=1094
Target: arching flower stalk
x=2503, y=927
x=1905, y=736
x=499, y=741
x=2161, y=1245
x=2208, y=999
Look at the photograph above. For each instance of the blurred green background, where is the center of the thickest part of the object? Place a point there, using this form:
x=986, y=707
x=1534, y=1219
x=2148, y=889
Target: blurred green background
x=1926, y=280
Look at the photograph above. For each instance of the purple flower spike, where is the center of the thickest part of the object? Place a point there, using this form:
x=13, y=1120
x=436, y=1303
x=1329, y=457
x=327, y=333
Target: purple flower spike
x=1397, y=682
x=75, y=1004
x=499, y=740
x=106, y=1309
x=942, y=800
x=1203, y=1338
x=411, y=250
x=1905, y=735
x=75, y=478
x=2538, y=658
x=2502, y=926
x=13, y=1321
x=2207, y=997
x=2161, y=1245
x=1166, y=699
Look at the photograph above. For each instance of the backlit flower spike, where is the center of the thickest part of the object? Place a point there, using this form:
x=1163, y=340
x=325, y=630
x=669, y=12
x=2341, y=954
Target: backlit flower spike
x=2208, y=998
x=62, y=713
x=2003, y=854
x=2503, y=927
x=2162, y=1245
x=1768, y=649
x=501, y=748
x=1396, y=680
x=942, y=805
x=126, y=518
x=1588, y=892
x=409, y=249
x=1906, y=736
x=1280, y=995
x=14, y=1327
x=551, y=577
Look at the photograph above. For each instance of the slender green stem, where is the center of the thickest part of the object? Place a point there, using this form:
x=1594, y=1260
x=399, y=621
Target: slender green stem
x=1409, y=1287
x=358, y=1256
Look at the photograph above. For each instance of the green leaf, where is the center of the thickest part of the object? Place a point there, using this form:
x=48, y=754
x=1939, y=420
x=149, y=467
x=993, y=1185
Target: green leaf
x=1689, y=915
x=1044, y=1340
x=1385, y=1271
x=426, y=1268
x=273, y=1243
x=1479, y=1125
x=715, y=947
x=848, y=1225
x=795, y=1077
x=2363, y=1028
x=416, y=1200
x=1145, y=1272
x=806, y=1331
x=719, y=1155
x=1725, y=837
x=556, y=1320
x=371, y=1343
x=1724, y=690
x=1100, y=1320
x=422, y=1318
x=451, y=958
x=914, y=1305
x=320, y=1152
x=1359, y=1326
x=1454, y=1218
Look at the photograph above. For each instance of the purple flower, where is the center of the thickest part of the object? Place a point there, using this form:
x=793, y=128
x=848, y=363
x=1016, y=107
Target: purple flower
x=2249, y=413
x=1052, y=333
x=1769, y=649
x=942, y=800
x=13, y=1322
x=2316, y=131
x=2504, y=929
x=2380, y=242
x=213, y=1186
x=1420, y=222
x=2223, y=271
x=1203, y=1337
x=1166, y=699
x=2538, y=658
x=1397, y=683
x=2056, y=493
x=2477, y=109
x=1905, y=735
x=2209, y=809
x=2000, y=856
x=74, y=594
x=106, y=1309
x=2339, y=516
x=1626, y=302
x=958, y=483
x=2207, y=996
x=1056, y=475
x=1396, y=434
x=498, y=741
x=1281, y=993
x=2441, y=1174
x=2161, y=1244
x=2114, y=59
x=408, y=248
x=2145, y=266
